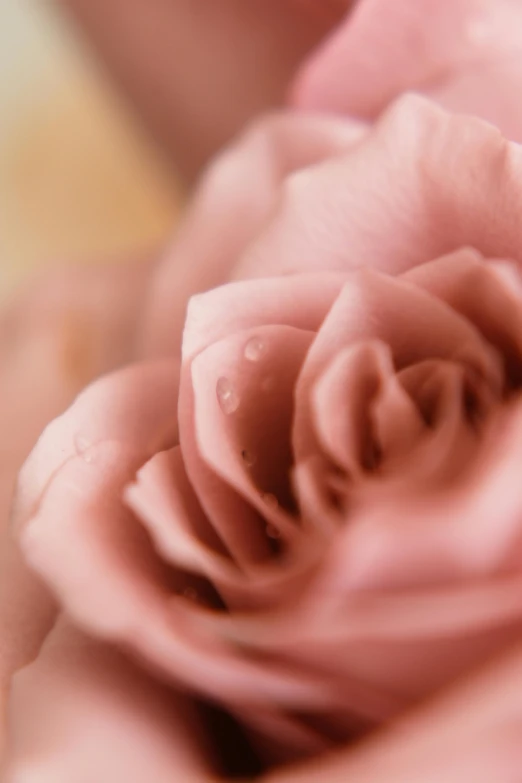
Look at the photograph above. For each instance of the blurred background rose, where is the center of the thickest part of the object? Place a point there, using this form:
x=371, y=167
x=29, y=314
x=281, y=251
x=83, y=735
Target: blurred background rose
x=195, y=71
x=79, y=180
x=106, y=107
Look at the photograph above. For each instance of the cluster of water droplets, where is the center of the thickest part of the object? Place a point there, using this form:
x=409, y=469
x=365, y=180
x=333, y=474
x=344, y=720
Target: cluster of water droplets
x=83, y=448
x=227, y=395
x=229, y=401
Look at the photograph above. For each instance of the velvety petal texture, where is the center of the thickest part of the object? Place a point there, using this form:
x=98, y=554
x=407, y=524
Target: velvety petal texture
x=465, y=54
x=428, y=181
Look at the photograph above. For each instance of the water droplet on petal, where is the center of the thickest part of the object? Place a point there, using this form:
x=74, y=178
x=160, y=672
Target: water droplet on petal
x=84, y=448
x=248, y=458
x=272, y=531
x=270, y=500
x=255, y=349
x=227, y=396
x=82, y=444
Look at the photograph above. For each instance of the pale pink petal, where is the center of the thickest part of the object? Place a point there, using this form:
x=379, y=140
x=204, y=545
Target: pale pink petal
x=486, y=88
x=468, y=56
x=302, y=302
x=235, y=198
x=75, y=527
x=361, y=378
x=388, y=648
x=70, y=514
x=472, y=733
x=82, y=712
x=322, y=507
x=374, y=306
x=243, y=425
x=56, y=336
x=135, y=408
x=166, y=503
x=488, y=293
x=421, y=184
x=470, y=530
x=452, y=400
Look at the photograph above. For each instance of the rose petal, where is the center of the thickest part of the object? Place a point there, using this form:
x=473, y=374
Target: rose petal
x=63, y=330
x=234, y=200
x=387, y=648
x=104, y=413
x=374, y=306
x=486, y=87
x=467, y=57
x=166, y=503
x=83, y=712
x=358, y=394
x=419, y=169
x=489, y=294
x=259, y=424
x=80, y=528
x=457, y=540
x=470, y=733
x=302, y=302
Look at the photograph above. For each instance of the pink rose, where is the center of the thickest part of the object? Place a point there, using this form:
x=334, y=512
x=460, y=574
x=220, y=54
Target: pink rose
x=198, y=70
x=325, y=531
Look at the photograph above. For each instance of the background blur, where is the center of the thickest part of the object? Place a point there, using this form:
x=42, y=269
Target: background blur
x=78, y=181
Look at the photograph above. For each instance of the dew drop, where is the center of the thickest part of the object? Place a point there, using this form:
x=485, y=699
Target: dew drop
x=227, y=396
x=248, y=458
x=270, y=500
x=82, y=444
x=255, y=349
x=272, y=532
x=84, y=448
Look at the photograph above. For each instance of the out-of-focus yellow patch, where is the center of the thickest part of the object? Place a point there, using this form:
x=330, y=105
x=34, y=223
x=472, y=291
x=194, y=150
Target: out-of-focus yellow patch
x=78, y=181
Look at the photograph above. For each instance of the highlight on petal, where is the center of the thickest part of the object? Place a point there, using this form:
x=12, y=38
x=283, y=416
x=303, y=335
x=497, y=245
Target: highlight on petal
x=468, y=58
x=134, y=407
x=233, y=201
x=302, y=302
x=425, y=180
